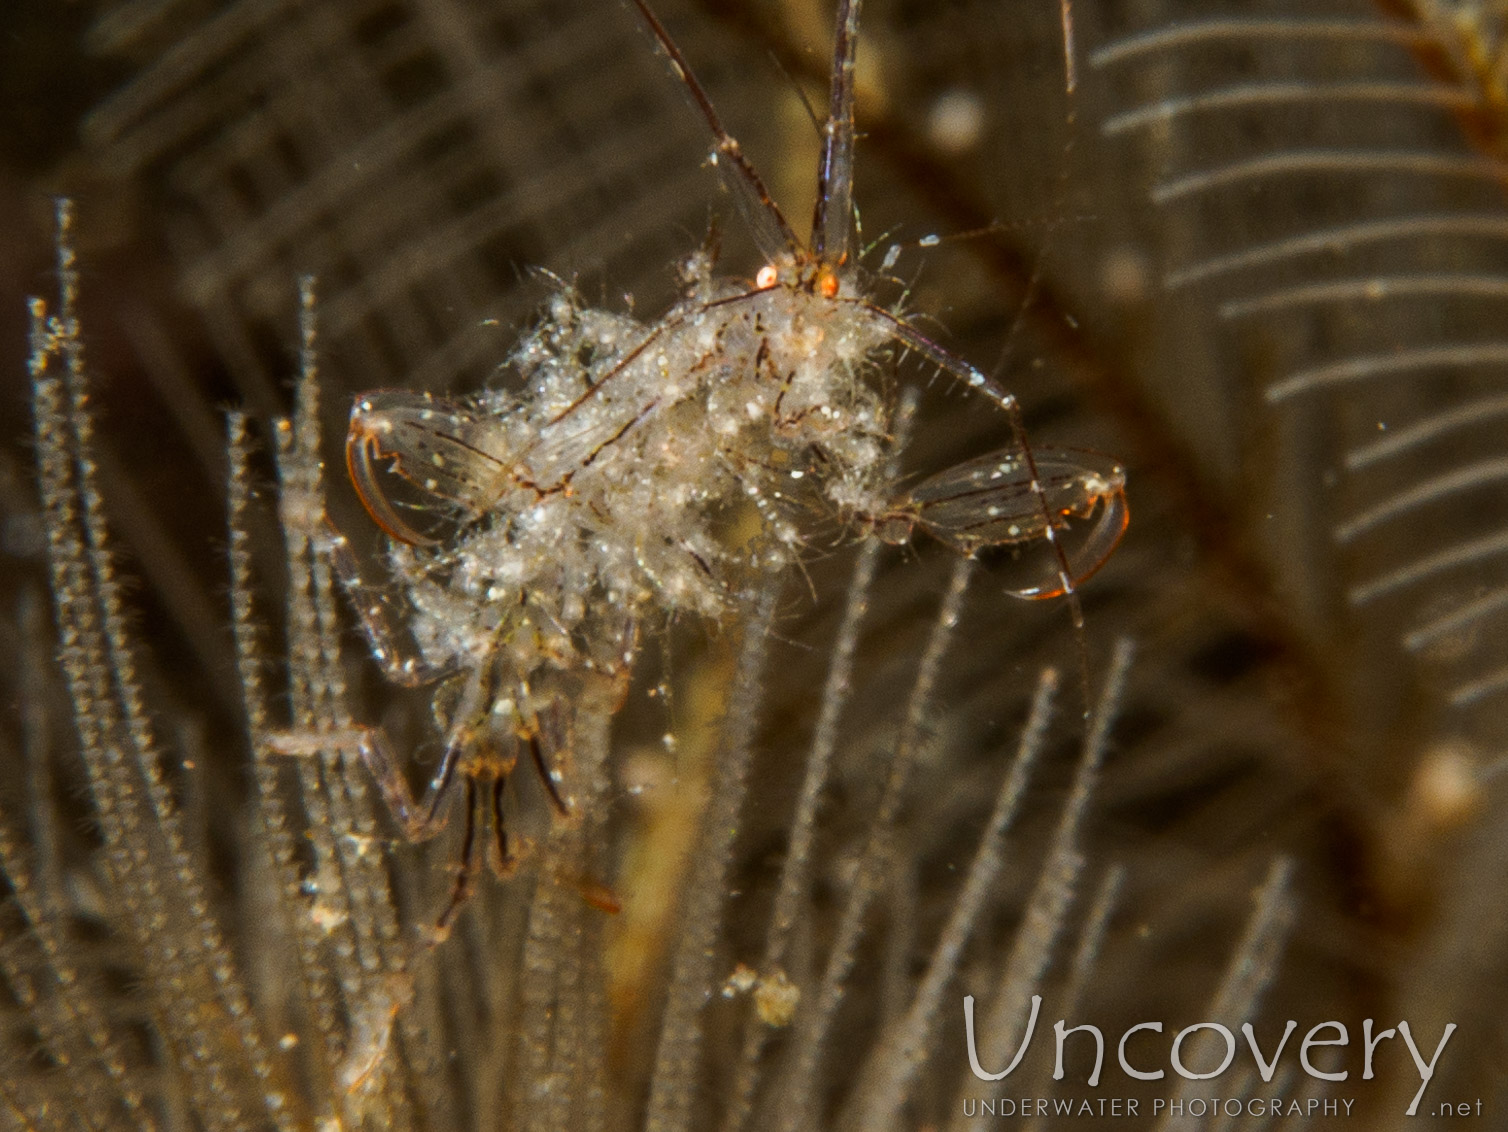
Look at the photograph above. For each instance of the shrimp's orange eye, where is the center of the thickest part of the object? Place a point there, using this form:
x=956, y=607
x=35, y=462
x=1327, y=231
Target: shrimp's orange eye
x=766, y=277
x=827, y=284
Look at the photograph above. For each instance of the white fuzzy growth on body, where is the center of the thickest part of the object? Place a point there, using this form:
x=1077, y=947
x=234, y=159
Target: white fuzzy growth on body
x=600, y=494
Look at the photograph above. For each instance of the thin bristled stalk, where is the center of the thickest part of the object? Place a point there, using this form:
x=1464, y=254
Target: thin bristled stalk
x=1047, y=909
x=885, y=1085
x=370, y=961
x=59, y=1006
x=72, y=1024
x=127, y=855
x=38, y=736
x=795, y=872
x=562, y=1013
x=673, y=1092
x=314, y=987
x=197, y=927
x=1081, y=970
x=1252, y=967
x=299, y=495
x=204, y=1004
x=799, y=1090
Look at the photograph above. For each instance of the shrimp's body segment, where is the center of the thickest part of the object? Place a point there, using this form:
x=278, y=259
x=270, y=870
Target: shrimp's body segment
x=595, y=496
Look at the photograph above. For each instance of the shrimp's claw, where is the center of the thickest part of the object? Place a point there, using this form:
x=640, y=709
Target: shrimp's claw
x=445, y=449
x=362, y=450
x=989, y=502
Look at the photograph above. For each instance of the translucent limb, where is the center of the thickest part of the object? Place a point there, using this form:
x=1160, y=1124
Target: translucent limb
x=1036, y=502
x=988, y=501
x=977, y=380
x=392, y=648
x=465, y=883
x=421, y=818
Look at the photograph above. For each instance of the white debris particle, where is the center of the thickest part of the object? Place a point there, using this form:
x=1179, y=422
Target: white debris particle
x=776, y=999
x=741, y=981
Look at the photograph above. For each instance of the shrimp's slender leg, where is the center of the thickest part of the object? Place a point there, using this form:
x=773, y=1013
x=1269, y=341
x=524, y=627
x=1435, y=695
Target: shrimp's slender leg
x=977, y=380
x=504, y=862
x=547, y=776
x=422, y=818
x=419, y=818
x=400, y=661
x=465, y=883
x=981, y=382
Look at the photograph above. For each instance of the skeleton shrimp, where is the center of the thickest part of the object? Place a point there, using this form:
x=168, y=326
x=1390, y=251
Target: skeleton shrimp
x=596, y=499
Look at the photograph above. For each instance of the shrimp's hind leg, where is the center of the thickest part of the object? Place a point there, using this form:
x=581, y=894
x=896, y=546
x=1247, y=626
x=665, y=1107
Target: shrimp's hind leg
x=549, y=776
x=550, y=740
x=1089, y=492
x=391, y=648
x=465, y=883
x=503, y=859
x=419, y=818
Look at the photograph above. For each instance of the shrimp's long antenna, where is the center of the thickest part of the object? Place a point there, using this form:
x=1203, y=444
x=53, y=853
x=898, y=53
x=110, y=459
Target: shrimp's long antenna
x=832, y=220
x=767, y=225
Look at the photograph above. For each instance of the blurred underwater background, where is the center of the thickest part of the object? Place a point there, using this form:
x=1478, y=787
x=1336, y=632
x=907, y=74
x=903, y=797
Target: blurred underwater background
x=1256, y=250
